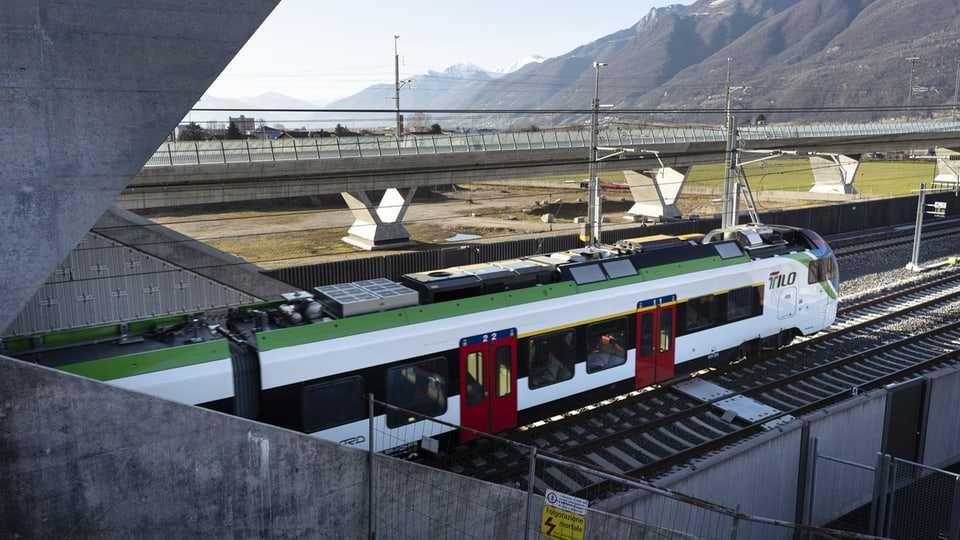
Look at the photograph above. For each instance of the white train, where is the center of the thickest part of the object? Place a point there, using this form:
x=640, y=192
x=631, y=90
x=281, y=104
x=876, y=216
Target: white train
x=483, y=346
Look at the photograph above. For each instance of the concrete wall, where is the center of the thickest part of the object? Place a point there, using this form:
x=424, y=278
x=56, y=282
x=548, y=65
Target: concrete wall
x=942, y=435
x=89, y=91
x=81, y=459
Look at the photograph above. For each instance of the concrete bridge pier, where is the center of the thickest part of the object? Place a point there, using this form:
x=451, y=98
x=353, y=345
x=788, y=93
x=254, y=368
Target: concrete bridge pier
x=379, y=225
x=834, y=173
x=656, y=196
x=948, y=167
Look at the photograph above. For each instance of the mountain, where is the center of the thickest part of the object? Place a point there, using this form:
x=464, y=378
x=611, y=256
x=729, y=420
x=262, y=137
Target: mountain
x=789, y=59
x=533, y=59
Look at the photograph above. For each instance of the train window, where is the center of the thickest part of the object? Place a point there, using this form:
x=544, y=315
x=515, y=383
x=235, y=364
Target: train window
x=606, y=345
x=475, y=372
x=646, y=334
x=741, y=304
x=332, y=403
x=420, y=388
x=822, y=270
x=503, y=357
x=701, y=312
x=551, y=358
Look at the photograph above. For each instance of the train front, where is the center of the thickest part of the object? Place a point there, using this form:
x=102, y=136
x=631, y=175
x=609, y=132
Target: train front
x=824, y=270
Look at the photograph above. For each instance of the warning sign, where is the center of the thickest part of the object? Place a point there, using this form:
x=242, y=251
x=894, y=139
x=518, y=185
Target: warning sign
x=564, y=516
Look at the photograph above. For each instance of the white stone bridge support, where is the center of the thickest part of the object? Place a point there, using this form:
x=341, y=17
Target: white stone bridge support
x=656, y=196
x=834, y=173
x=379, y=225
x=948, y=167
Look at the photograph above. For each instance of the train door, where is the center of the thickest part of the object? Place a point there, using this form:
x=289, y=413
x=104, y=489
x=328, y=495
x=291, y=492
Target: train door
x=656, y=339
x=488, y=382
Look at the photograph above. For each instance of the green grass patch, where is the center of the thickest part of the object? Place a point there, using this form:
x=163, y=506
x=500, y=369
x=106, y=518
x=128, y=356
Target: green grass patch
x=873, y=178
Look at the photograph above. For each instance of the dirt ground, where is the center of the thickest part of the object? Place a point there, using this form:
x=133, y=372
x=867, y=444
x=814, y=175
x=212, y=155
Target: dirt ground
x=291, y=233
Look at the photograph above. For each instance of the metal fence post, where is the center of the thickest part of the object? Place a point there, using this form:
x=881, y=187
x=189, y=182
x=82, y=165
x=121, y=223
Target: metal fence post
x=954, y=533
x=371, y=534
x=736, y=523
x=879, y=507
x=223, y=152
x=530, y=483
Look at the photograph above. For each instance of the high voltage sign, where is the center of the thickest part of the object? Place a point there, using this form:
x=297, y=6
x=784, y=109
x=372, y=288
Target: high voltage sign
x=564, y=516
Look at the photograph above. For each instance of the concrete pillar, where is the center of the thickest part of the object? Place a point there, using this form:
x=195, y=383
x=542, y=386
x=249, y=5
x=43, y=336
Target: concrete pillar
x=379, y=225
x=948, y=167
x=656, y=196
x=834, y=173
x=89, y=91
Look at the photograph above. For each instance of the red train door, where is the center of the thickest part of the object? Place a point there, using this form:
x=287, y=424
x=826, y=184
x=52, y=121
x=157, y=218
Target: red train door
x=656, y=339
x=488, y=382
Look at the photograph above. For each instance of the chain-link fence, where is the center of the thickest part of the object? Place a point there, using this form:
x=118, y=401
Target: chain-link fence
x=901, y=499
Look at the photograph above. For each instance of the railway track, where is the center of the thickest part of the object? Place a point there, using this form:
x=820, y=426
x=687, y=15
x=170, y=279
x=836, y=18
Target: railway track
x=647, y=433
x=902, y=236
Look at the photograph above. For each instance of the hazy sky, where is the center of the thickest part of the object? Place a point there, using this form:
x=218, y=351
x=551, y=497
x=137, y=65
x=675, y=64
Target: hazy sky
x=322, y=50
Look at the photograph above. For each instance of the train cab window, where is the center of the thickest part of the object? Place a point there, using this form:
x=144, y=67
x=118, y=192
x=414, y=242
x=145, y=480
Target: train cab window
x=551, y=358
x=606, y=345
x=822, y=270
x=503, y=357
x=420, y=388
x=333, y=403
x=475, y=372
x=701, y=313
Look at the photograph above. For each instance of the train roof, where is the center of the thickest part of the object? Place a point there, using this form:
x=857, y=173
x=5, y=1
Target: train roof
x=357, y=307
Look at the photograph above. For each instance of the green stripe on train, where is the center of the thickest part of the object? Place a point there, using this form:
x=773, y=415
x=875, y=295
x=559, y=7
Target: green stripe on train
x=152, y=361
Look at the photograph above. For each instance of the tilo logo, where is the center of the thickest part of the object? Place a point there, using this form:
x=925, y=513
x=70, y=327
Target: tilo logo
x=778, y=280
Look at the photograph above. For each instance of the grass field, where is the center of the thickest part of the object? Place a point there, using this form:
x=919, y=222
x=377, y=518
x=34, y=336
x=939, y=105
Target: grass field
x=873, y=178
x=284, y=237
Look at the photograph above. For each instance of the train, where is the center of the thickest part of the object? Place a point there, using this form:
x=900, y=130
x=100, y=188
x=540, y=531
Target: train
x=485, y=346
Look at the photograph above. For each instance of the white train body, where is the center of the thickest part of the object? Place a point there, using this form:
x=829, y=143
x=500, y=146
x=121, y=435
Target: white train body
x=490, y=345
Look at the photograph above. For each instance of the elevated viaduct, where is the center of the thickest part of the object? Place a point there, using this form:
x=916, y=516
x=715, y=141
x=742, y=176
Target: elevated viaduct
x=378, y=176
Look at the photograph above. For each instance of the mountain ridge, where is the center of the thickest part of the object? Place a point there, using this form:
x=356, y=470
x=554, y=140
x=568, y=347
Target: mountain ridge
x=789, y=60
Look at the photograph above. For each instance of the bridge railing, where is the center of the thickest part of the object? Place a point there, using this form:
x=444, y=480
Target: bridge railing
x=283, y=149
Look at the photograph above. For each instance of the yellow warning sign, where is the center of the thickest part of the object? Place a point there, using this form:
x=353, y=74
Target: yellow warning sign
x=564, y=516
x=561, y=524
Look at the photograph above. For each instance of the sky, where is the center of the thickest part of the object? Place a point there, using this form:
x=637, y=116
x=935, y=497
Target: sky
x=319, y=50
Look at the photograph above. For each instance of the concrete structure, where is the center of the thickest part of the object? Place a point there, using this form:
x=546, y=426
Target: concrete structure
x=764, y=475
x=834, y=173
x=655, y=195
x=655, y=160
x=128, y=268
x=90, y=91
x=948, y=168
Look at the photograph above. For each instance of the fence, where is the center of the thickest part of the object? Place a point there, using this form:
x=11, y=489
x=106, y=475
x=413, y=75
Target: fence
x=251, y=150
x=408, y=500
x=902, y=499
